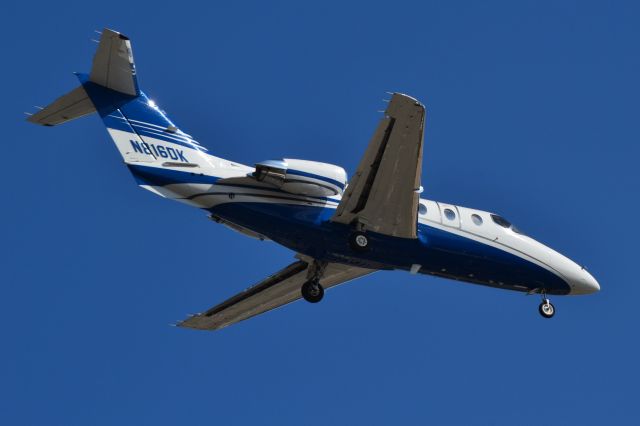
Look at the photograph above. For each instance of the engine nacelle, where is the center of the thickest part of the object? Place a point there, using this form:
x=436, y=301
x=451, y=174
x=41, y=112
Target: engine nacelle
x=302, y=177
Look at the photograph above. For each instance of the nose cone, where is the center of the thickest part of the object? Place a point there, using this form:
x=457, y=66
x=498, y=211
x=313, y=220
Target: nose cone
x=584, y=283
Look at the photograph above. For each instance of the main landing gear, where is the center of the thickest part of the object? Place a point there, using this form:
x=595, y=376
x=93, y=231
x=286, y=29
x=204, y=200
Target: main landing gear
x=546, y=309
x=312, y=291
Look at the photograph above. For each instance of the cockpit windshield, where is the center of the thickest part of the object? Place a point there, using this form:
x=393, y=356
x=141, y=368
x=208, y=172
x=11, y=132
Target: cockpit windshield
x=505, y=223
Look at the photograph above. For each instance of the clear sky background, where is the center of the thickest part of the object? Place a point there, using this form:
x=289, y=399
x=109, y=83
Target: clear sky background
x=532, y=113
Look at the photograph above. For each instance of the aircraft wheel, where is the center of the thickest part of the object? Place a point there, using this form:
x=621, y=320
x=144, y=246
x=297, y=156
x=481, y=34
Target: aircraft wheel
x=546, y=309
x=312, y=291
x=359, y=241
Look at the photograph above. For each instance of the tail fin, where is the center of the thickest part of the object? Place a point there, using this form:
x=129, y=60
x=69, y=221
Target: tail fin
x=113, y=68
x=141, y=131
x=113, y=65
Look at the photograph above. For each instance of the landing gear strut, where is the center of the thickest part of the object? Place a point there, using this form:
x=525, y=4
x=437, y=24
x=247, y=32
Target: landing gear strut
x=312, y=291
x=546, y=309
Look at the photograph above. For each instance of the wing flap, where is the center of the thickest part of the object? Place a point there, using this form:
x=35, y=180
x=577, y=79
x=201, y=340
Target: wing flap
x=278, y=290
x=383, y=194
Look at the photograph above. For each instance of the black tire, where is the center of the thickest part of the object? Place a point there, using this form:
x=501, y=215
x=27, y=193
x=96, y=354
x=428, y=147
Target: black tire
x=312, y=292
x=547, y=310
x=359, y=241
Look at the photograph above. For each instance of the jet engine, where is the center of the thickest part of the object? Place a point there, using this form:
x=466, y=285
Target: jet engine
x=302, y=177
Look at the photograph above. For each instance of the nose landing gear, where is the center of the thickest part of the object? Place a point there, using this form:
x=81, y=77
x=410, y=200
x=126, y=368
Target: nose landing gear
x=546, y=309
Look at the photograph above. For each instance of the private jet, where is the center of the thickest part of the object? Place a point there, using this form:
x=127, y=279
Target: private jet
x=340, y=229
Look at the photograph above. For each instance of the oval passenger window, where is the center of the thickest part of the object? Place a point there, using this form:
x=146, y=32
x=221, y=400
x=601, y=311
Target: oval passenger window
x=449, y=214
x=476, y=219
x=422, y=209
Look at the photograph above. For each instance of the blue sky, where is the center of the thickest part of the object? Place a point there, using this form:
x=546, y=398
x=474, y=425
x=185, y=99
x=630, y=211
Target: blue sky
x=532, y=112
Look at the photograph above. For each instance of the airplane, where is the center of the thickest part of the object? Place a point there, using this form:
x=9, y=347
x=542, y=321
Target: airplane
x=340, y=229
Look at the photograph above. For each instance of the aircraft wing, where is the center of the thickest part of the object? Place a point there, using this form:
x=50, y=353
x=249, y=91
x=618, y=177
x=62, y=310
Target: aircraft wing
x=279, y=289
x=383, y=194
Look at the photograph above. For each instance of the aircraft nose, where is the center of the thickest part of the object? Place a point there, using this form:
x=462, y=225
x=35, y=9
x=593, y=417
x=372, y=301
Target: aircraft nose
x=585, y=283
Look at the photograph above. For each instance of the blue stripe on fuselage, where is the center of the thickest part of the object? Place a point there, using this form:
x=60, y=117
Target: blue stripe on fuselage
x=314, y=176
x=113, y=122
x=157, y=176
x=138, y=108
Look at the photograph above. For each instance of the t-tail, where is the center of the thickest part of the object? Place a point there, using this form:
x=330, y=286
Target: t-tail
x=156, y=151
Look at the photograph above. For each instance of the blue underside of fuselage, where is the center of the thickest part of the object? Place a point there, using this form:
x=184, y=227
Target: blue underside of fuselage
x=307, y=229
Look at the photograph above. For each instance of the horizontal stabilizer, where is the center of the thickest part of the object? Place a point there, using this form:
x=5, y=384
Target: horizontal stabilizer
x=72, y=105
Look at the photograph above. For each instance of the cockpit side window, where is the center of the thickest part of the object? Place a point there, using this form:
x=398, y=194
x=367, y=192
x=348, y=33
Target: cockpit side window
x=501, y=221
x=516, y=230
x=505, y=223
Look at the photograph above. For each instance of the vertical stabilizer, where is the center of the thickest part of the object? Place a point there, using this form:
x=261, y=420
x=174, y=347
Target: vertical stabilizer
x=113, y=65
x=155, y=150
